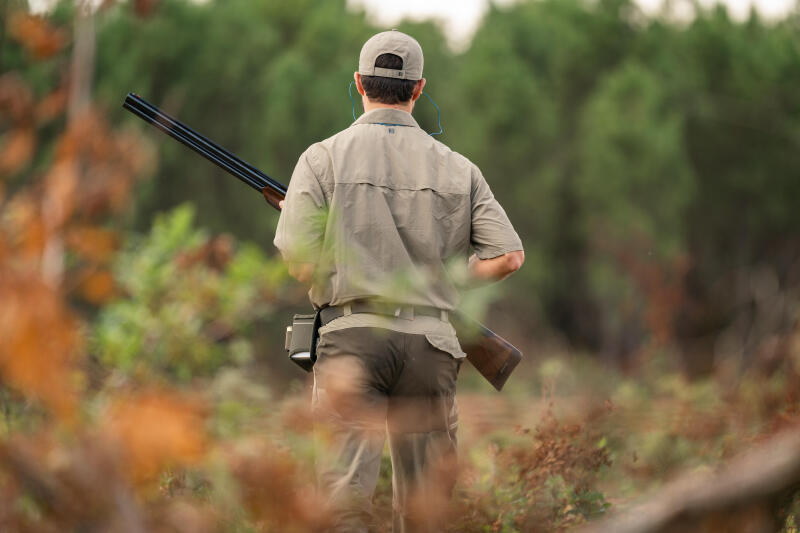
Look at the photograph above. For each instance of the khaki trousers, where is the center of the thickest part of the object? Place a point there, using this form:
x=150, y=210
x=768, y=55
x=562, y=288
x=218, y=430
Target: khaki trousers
x=369, y=382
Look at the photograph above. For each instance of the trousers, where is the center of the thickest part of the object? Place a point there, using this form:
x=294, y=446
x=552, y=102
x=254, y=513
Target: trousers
x=372, y=382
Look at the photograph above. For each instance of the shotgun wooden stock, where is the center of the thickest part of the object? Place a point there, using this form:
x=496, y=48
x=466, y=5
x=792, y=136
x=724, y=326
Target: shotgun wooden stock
x=493, y=356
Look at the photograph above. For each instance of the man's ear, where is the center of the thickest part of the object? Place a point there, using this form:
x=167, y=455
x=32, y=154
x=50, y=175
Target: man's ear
x=418, y=90
x=359, y=85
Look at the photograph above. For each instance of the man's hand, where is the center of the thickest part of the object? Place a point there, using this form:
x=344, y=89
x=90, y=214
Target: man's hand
x=302, y=272
x=496, y=268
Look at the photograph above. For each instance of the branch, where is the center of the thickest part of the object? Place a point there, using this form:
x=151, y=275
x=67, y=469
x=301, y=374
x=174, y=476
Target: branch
x=746, y=494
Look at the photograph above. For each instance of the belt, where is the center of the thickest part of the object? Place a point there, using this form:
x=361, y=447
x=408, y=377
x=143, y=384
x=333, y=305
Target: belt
x=407, y=312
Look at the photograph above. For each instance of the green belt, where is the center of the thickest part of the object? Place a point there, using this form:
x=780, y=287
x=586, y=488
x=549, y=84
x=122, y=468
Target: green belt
x=407, y=312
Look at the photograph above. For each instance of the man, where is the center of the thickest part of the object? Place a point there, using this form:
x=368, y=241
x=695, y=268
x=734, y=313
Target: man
x=377, y=219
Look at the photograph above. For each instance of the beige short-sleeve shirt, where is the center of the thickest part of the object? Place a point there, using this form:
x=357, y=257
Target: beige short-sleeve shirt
x=385, y=211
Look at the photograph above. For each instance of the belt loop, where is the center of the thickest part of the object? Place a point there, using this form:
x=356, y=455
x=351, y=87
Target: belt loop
x=398, y=311
x=347, y=310
x=443, y=315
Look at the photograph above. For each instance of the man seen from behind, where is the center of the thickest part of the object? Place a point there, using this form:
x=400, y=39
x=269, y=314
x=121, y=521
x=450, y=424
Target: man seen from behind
x=375, y=219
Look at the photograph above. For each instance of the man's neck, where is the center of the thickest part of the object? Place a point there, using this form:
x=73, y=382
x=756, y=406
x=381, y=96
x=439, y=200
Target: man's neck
x=370, y=106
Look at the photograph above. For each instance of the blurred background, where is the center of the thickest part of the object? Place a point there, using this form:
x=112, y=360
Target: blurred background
x=648, y=154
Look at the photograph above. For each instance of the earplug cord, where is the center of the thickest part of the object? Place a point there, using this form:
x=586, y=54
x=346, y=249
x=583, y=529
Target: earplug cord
x=438, y=111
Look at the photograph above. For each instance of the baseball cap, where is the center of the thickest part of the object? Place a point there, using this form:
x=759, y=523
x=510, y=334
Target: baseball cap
x=391, y=42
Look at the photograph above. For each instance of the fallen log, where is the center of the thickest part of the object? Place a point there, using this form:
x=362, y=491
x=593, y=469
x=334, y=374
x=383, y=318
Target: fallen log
x=746, y=494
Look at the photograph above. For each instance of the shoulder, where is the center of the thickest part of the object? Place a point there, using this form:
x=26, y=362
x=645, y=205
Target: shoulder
x=331, y=142
x=315, y=161
x=317, y=158
x=455, y=157
x=459, y=166
x=314, y=155
x=320, y=154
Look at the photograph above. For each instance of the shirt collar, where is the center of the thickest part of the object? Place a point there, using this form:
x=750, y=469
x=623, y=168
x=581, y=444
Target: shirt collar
x=387, y=115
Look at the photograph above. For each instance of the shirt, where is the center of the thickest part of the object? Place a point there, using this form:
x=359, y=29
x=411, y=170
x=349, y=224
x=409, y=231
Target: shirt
x=386, y=211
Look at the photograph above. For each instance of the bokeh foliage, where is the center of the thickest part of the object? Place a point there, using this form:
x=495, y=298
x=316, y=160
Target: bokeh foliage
x=191, y=302
x=649, y=165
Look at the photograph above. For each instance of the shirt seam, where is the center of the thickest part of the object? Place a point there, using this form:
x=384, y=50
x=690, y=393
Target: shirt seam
x=497, y=251
x=316, y=160
x=395, y=188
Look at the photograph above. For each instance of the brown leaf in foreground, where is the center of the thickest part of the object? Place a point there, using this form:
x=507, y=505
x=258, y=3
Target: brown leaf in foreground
x=98, y=286
x=273, y=491
x=92, y=243
x=145, y=8
x=36, y=34
x=16, y=105
x=17, y=150
x=77, y=484
x=40, y=342
x=157, y=430
x=16, y=98
x=52, y=106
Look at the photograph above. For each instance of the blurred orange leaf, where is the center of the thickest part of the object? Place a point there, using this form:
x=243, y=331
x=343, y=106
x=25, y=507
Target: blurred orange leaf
x=16, y=150
x=98, y=287
x=18, y=144
x=61, y=186
x=144, y=8
x=52, y=105
x=36, y=34
x=16, y=98
x=92, y=243
x=109, y=162
x=157, y=430
x=40, y=342
x=269, y=480
x=26, y=234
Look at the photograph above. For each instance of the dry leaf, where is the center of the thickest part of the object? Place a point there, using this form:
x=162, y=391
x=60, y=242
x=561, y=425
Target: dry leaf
x=52, y=105
x=144, y=8
x=36, y=34
x=16, y=150
x=40, y=342
x=157, y=430
x=98, y=287
x=92, y=243
x=16, y=99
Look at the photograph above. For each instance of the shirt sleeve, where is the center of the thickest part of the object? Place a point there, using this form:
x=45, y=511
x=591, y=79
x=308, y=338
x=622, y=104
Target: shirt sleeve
x=301, y=226
x=492, y=234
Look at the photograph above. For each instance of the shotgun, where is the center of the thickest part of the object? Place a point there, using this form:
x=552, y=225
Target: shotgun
x=493, y=356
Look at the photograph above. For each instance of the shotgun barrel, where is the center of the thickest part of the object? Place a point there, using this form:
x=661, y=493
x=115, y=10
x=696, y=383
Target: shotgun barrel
x=272, y=190
x=493, y=356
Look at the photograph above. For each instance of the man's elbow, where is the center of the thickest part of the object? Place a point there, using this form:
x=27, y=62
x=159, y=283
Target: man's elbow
x=514, y=261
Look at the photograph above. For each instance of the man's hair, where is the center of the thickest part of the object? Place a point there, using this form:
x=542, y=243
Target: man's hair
x=388, y=90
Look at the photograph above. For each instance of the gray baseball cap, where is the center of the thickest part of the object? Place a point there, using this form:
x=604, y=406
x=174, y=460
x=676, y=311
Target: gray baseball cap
x=392, y=42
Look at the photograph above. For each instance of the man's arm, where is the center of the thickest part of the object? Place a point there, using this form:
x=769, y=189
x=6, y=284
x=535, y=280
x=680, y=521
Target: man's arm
x=498, y=248
x=301, y=225
x=496, y=268
x=302, y=272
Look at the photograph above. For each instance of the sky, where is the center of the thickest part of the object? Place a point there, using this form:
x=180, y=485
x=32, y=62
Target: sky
x=460, y=18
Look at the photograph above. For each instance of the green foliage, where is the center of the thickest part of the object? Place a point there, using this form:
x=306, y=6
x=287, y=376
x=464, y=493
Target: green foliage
x=189, y=302
x=262, y=78
x=541, y=480
x=625, y=149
